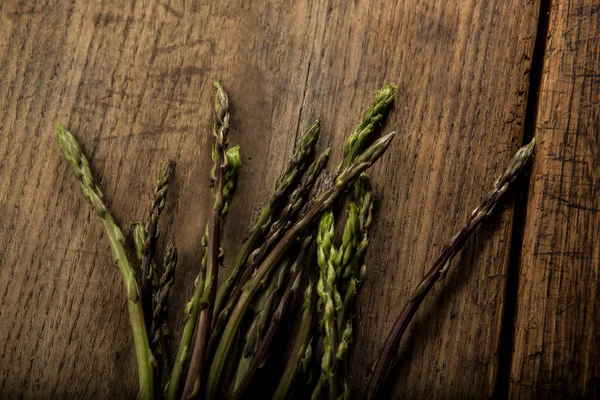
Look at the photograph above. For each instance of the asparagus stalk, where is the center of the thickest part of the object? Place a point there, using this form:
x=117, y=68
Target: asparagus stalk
x=359, y=217
x=379, y=108
x=80, y=166
x=328, y=260
x=322, y=203
x=193, y=306
x=151, y=234
x=442, y=263
x=158, y=327
x=296, y=166
x=292, y=288
x=220, y=130
x=296, y=200
x=301, y=350
x=264, y=308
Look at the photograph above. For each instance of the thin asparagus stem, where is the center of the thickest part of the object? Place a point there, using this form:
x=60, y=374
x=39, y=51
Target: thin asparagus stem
x=301, y=350
x=158, y=328
x=233, y=164
x=379, y=108
x=297, y=199
x=328, y=260
x=285, y=184
x=264, y=308
x=221, y=128
x=161, y=295
x=156, y=207
x=80, y=166
x=342, y=182
x=293, y=286
x=442, y=264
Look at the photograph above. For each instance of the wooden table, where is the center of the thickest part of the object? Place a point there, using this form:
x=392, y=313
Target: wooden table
x=519, y=313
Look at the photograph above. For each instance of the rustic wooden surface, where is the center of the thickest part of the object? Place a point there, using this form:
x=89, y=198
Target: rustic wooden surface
x=132, y=80
x=557, y=337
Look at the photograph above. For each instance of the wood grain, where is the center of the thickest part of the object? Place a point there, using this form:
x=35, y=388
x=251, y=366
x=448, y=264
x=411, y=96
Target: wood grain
x=557, y=337
x=133, y=83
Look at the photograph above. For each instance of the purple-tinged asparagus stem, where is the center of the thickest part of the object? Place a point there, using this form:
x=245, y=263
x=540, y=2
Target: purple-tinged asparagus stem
x=221, y=127
x=442, y=263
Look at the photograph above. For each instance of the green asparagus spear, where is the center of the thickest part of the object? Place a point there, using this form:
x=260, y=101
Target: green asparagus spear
x=79, y=164
x=158, y=328
x=379, y=108
x=328, y=261
x=213, y=250
x=192, y=310
x=151, y=234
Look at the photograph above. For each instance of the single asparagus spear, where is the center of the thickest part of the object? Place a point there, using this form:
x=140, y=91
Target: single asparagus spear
x=79, y=164
x=220, y=130
x=328, y=260
x=355, y=271
x=442, y=263
x=295, y=169
x=297, y=199
x=342, y=182
x=161, y=294
x=379, y=108
x=293, y=286
x=192, y=308
x=301, y=350
x=360, y=215
x=151, y=234
x=158, y=327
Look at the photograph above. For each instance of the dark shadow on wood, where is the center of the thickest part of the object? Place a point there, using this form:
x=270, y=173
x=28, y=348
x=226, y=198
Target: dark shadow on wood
x=505, y=350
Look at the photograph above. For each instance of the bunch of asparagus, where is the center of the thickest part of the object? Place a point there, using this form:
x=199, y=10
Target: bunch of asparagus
x=292, y=248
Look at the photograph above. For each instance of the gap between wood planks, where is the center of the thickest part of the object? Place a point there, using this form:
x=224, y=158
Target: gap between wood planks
x=516, y=244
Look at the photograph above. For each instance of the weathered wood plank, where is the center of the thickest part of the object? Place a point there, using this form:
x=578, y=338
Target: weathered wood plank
x=133, y=83
x=556, y=350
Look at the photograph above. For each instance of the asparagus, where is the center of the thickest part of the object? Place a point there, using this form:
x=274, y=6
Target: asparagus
x=296, y=200
x=322, y=203
x=139, y=238
x=80, y=166
x=442, y=264
x=151, y=234
x=354, y=271
x=302, y=350
x=296, y=166
x=379, y=108
x=162, y=293
x=293, y=286
x=263, y=311
x=220, y=130
x=158, y=328
x=193, y=306
x=328, y=261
